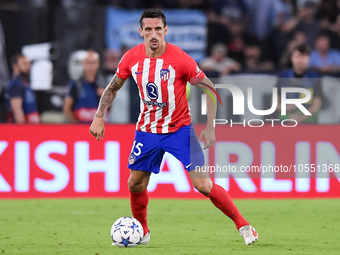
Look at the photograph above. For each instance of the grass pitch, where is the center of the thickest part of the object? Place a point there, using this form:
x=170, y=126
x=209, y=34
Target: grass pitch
x=177, y=227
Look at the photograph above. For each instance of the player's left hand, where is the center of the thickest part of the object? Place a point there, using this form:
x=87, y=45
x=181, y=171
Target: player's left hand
x=209, y=135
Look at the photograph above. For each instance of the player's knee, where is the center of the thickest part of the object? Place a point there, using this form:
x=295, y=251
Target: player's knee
x=136, y=185
x=203, y=187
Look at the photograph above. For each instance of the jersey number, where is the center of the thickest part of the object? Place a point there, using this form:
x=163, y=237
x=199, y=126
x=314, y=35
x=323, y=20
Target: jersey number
x=138, y=147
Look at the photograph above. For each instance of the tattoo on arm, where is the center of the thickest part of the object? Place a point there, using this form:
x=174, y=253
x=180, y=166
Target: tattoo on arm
x=116, y=83
x=109, y=95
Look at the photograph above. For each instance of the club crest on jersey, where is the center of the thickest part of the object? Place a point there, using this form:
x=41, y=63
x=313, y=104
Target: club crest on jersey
x=132, y=159
x=152, y=91
x=165, y=74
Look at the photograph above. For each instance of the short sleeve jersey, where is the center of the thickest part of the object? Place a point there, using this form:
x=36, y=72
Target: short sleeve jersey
x=162, y=87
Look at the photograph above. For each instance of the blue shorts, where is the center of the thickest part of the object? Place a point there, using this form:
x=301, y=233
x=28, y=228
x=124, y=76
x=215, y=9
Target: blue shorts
x=148, y=149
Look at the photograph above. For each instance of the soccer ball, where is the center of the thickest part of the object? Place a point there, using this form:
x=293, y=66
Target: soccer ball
x=126, y=232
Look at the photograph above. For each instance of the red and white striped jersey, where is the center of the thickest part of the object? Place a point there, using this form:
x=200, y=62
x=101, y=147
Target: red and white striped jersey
x=162, y=87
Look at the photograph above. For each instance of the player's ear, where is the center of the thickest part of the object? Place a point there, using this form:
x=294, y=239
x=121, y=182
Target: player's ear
x=140, y=31
x=165, y=29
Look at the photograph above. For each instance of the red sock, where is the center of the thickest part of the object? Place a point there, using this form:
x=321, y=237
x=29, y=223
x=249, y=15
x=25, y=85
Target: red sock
x=221, y=199
x=139, y=202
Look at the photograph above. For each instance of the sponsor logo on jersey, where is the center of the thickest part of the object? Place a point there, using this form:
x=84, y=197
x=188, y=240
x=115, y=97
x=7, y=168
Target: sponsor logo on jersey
x=152, y=91
x=155, y=103
x=165, y=74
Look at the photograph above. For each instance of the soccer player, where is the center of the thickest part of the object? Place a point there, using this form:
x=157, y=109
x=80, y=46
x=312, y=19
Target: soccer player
x=161, y=71
x=20, y=99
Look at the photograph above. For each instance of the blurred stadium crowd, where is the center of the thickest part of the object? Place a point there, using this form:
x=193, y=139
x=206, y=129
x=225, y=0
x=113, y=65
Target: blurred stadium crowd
x=244, y=37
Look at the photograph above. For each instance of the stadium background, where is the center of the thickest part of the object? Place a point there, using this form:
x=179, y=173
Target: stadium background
x=61, y=190
x=48, y=160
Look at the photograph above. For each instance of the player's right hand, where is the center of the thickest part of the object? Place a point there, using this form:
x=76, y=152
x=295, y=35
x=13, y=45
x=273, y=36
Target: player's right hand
x=97, y=128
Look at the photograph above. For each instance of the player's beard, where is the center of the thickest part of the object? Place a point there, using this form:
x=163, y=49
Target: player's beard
x=25, y=75
x=154, y=47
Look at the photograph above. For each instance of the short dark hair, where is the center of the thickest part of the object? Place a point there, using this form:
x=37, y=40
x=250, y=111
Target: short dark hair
x=324, y=33
x=302, y=48
x=252, y=42
x=152, y=13
x=15, y=58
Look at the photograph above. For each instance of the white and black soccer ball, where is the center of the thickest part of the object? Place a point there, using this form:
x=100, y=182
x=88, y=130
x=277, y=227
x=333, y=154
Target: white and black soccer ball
x=126, y=232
